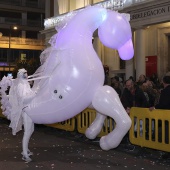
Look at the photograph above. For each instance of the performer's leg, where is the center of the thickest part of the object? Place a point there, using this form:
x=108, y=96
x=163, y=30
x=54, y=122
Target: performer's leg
x=28, y=130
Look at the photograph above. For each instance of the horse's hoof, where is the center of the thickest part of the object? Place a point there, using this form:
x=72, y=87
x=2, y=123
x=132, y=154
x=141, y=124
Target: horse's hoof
x=103, y=144
x=90, y=134
x=106, y=143
x=26, y=159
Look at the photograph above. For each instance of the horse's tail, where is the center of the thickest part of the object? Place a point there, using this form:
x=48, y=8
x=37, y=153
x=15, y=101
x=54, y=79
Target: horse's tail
x=5, y=83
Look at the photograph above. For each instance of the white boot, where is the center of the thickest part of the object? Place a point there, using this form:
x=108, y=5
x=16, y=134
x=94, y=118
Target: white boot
x=26, y=158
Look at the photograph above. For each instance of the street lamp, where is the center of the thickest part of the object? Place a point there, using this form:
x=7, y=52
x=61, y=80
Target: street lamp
x=9, y=52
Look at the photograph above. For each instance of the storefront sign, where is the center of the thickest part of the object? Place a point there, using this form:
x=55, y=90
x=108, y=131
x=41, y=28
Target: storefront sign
x=151, y=13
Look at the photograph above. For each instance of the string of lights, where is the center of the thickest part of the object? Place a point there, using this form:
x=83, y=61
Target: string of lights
x=60, y=21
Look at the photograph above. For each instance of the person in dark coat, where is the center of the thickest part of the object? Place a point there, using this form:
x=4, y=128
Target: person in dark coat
x=164, y=101
x=133, y=96
x=116, y=84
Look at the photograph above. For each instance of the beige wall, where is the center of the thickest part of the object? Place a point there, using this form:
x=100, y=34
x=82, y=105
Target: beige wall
x=157, y=44
x=65, y=6
x=156, y=35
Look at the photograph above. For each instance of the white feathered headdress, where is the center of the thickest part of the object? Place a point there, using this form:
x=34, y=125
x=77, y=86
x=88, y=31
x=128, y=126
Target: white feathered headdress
x=21, y=72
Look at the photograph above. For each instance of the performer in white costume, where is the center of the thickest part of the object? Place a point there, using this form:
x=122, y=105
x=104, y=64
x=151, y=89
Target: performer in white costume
x=19, y=95
x=71, y=78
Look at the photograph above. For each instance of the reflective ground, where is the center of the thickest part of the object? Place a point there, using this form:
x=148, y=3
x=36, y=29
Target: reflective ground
x=61, y=150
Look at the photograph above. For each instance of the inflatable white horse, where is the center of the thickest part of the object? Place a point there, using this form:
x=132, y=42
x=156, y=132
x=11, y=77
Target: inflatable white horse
x=75, y=75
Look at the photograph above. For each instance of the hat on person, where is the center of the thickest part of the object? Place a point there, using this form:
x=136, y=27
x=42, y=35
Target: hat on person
x=21, y=72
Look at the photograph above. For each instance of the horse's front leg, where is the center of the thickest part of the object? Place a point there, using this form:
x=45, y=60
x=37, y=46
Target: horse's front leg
x=95, y=128
x=107, y=102
x=28, y=130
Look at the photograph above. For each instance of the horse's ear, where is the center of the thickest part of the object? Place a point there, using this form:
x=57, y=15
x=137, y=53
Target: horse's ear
x=126, y=16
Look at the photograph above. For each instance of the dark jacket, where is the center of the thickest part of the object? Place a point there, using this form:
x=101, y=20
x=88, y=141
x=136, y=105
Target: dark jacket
x=164, y=100
x=136, y=100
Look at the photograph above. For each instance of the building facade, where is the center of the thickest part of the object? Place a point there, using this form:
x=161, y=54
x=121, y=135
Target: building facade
x=150, y=28
x=26, y=41
x=150, y=23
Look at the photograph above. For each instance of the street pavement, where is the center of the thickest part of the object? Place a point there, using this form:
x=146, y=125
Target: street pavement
x=56, y=149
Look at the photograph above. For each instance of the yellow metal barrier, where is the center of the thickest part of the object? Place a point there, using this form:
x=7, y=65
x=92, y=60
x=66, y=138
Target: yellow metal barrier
x=1, y=115
x=68, y=125
x=84, y=120
x=86, y=117
x=150, y=128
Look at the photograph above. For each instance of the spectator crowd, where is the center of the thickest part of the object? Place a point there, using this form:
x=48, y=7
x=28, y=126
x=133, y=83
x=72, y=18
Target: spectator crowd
x=146, y=92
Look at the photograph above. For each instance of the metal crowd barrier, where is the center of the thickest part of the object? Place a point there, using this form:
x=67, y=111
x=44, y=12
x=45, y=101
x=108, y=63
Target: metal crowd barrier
x=68, y=125
x=82, y=121
x=1, y=115
x=150, y=128
x=85, y=119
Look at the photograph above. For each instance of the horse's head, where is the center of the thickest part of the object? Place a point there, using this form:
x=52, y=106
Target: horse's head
x=115, y=33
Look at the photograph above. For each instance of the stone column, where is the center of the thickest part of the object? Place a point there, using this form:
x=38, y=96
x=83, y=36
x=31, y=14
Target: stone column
x=56, y=8
x=129, y=69
x=24, y=22
x=47, y=9
x=87, y=2
x=24, y=18
x=64, y=6
x=98, y=47
x=140, y=52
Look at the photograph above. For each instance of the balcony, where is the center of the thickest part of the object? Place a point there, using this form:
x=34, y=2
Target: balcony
x=21, y=43
x=12, y=47
x=22, y=22
x=27, y=3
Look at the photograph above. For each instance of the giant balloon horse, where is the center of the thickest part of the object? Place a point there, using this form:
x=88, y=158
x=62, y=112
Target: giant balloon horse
x=73, y=75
